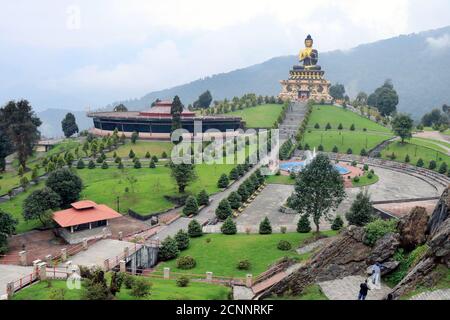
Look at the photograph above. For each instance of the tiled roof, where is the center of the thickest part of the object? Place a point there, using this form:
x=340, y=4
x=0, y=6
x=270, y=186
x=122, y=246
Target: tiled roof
x=84, y=212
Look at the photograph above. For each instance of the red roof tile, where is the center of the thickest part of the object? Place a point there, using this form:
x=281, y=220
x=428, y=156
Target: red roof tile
x=84, y=212
x=83, y=204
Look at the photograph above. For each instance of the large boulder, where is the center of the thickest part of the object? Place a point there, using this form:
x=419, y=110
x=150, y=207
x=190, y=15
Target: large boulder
x=438, y=252
x=412, y=228
x=384, y=248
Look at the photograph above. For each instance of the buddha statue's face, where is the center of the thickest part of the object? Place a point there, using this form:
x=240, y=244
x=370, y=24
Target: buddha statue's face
x=308, y=43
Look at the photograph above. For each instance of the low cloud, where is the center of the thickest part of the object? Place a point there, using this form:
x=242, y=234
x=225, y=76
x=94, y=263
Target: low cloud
x=439, y=43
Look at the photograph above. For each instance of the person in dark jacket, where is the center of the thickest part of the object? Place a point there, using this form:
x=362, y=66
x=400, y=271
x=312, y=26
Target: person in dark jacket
x=363, y=290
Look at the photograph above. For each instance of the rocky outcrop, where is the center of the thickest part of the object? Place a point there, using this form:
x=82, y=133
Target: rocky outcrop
x=412, y=228
x=347, y=255
x=438, y=242
x=440, y=214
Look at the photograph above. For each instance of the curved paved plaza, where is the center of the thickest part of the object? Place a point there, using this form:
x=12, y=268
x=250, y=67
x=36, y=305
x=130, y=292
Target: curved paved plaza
x=393, y=185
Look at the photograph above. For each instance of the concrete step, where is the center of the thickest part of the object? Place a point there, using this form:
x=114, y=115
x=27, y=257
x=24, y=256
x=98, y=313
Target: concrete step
x=348, y=288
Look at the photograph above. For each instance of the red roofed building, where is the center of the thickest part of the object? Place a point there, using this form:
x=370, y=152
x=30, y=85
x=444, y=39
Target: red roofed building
x=84, y=220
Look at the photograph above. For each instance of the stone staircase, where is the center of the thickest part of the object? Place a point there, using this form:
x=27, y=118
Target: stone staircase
x=348, y=288
x=294, y=117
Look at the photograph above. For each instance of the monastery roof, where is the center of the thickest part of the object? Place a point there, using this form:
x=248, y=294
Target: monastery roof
x=85, y=211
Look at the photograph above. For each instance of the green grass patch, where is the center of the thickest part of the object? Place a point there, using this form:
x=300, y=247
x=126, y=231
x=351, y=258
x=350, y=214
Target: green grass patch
x=14, y=207
x=432, y=144
x=222, y=253
x=365, y=181
x=343, y=140
x=161, y=290
x=415, y=152
x=280, y=180
x=141, y=147
x=262, y=116
x=335, y=116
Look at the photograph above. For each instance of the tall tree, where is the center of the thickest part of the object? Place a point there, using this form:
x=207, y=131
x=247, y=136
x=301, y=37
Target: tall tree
x=337, y=91
x=7, y=228
x=402, y=125
x=175, y=111
x=318, y=189
x=361, y=98
x=204, y=100
x=361, y=210
x=21, y=127
x=183, y=174
x=69, y=125
x=6, y=147
x=38, y=204
x=386, y=99
x=66, y=184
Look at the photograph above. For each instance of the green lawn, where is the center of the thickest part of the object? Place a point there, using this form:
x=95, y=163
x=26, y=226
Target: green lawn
x=104, y=186
x=335, y=115
x=141, y=147
x=415, y=152
x=14, y=207
x=262, y=116
x=161, y=290
x=365, y=181
x=145, y=196
x=280, y=179
x=11, y=179
x=223, y=252
x=429, y=143
x=343, y=140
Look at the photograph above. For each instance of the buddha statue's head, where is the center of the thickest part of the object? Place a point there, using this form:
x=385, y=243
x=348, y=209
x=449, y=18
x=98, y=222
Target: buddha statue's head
x=309, y=41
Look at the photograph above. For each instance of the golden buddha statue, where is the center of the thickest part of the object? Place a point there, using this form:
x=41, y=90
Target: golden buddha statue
x=308, y=56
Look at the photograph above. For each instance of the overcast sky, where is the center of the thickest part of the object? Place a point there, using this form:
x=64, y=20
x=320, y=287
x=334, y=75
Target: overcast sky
x=75, y=54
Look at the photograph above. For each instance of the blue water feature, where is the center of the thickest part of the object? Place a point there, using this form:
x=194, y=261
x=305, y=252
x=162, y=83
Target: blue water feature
x=298, y=166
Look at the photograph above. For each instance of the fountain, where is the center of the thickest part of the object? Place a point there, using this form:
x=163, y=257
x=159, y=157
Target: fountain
x=298, y=166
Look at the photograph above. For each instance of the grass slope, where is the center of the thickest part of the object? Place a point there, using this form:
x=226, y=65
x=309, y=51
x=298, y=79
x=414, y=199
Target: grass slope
x=343, y=139
x=335, y=115
x=415, y=152
x=223, y=252
x=161, y=290
x=262, y=116
x=141, y=147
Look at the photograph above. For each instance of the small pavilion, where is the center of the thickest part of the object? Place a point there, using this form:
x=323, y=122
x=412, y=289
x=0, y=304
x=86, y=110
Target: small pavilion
x=84, y=220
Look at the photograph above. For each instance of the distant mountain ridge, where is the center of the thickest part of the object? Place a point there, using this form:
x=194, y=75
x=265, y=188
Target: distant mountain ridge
x=418, y=64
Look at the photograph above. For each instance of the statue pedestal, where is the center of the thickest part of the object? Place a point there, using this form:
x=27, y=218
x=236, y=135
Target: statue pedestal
x=304, y=84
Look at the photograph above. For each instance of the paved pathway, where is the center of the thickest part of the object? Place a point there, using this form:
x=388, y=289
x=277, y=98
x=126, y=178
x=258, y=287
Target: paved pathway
x=437, y=136
x=348, y=289
x=443, y=294
x=9, y=273
x=242, y=293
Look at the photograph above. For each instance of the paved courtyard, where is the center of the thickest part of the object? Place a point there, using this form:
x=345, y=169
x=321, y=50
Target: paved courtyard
x=98, y=252
x=392, y=185
x=9, y=273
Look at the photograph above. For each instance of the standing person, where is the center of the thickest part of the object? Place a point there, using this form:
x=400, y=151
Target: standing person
x=363, y=290
x=376, y=276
